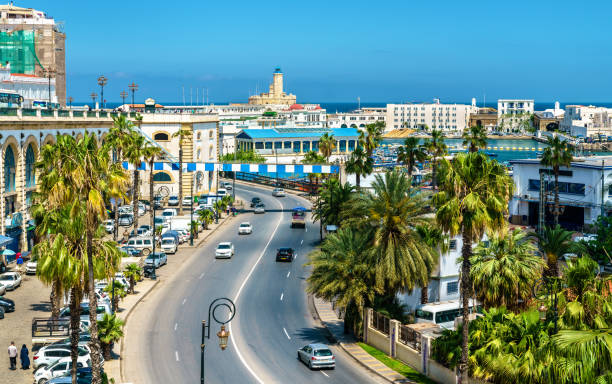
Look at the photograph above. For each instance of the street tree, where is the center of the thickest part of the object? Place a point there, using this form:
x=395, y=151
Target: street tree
x=558, y=154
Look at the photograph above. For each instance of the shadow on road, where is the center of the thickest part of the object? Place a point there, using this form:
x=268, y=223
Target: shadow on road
x=44, y=306
x=315, y=335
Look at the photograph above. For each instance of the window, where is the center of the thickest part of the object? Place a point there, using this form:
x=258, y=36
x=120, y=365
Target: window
x=259, y=145
x=287, y=144
x=452, y=245
x=610, y=190
x=161, y=136
x=162, y=177
x=268, y=145
x=30, y=175
x=534, y=185
x=420, y=314
x=199, y=135
x=278, y=145
x=452, y=287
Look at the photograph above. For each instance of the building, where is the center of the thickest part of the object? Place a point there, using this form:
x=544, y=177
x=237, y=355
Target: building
x=31, y=87
x=585, y=187
x=446, y=117
x=485, y=117
x=587, y=121
x=357, y=119
x=514, y=115
x=276, y=95
x=33, y=44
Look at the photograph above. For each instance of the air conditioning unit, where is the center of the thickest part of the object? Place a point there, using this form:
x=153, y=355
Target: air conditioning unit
x=526, y=197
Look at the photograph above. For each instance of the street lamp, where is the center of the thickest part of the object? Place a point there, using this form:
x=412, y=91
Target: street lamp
x=49, y=72
x=123, y=95
x=93, y=100
x=102, y=82
x=223, y=335
x=133, y=88
x=546, y=290
x=70, y=100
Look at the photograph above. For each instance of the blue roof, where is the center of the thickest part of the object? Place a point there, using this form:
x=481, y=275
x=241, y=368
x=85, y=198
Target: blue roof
x=279, y=133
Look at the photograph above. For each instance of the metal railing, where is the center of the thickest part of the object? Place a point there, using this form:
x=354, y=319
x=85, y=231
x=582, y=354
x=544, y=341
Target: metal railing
x=296, y=185
x=410, y=337
x=380, y=322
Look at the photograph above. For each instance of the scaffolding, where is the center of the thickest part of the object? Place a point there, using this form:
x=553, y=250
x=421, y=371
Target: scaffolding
x=19, y=49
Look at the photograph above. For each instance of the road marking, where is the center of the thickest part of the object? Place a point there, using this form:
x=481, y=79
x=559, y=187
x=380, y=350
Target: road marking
x=306, y=229
x=302, y=242
x=242, y=360
x=175, y=326
x=176, y=355
x=324, y=373
x=201, y=276
x=288, y=273
x=184, y=301
x=282, y=294
x=286, y=334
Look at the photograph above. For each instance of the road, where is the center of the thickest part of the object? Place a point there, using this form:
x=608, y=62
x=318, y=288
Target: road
x=272, y=320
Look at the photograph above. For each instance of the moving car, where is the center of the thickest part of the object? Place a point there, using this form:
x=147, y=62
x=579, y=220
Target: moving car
x=109, y=225
x=30, y=268
x=285, y=254
x=7, y=304
x=245, y=228
x=10, y=280
x=48, y=355
x=259, y=208
x=228, y=185
x=157, y=259
x=298, y=217
x=224, y=250
x=317, y=356
x=278, y=192
x=173, y=201
x=59, y=368
x=255, y=201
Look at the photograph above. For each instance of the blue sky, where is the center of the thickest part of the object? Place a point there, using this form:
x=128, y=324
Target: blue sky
x=338, y=50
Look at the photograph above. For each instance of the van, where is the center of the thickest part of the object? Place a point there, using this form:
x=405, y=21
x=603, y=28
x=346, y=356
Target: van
x=173, y=234
x=143, y=243
x=169, y=244
x=443, y=313
x=169, y=212
x=221, y=192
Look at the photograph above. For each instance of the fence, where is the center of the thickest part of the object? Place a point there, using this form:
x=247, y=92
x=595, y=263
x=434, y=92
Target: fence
x=380, y=322
x=410, y=337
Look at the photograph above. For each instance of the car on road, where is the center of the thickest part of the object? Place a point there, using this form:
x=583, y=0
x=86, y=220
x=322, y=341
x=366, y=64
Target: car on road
x=59, y=368
x=187, y=201
x=285, y=254
x=225, y=250
x=157, y=259
x=109, y=225
x=7, y=304
x=259, y=208
x=255, y=201
x=10, y=280
x=228, y=185
x=317, y=356
x=278, y=192
x=173, y=201
x=221, y=192
x=48, y=355
x=30, y=268
x=245, y=228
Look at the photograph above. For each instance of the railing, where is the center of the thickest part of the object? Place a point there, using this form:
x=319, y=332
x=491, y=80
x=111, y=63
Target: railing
x=45, y=112
x=380, y=322
x=29, y=112
x=63, y=113
x=410, y=337
x=295, y=185
x=8, y=111
x=43, y=327
x=78, y=113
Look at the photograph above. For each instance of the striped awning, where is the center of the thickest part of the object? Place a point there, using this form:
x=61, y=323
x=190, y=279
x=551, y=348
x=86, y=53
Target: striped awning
x=252, y=168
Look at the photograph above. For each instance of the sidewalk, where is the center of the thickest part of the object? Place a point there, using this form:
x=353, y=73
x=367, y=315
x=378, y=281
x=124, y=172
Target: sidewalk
x=330, y=320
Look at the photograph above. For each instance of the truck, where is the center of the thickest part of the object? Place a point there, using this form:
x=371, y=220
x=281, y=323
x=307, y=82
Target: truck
x=298, y=217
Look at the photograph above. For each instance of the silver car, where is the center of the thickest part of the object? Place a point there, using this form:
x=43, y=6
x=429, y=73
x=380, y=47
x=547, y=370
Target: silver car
x=259, y=208
x=224, y=250
x=317, y=356
x=278, y=192
x=10, y=280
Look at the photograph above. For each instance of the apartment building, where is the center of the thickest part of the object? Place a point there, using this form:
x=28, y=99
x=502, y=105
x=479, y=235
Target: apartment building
x=586, y=121
x=446, y=117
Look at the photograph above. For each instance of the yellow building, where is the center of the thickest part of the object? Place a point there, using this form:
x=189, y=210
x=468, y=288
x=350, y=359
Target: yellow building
x=276, y=95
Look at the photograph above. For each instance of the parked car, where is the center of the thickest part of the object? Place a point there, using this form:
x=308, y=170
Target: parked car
x=103, y=307
x=109, y=225
x=225, y=250
x=131, y=251
x=140, y=232
x=259, y=208
x=30, y=267
x=10, y=280
x=278, y=192
x=84, y=339
x=173, y=234
x=1, y=313
x=2, y=289
x=317, y=356
x=157, y=259
x=255, y=201
x=146, y=227
x=144, y=243
x=169, y=245
x=126, y=219
x=157, y=202
x=245, y=228
x=187, y=201
x=83, y=377
x=60, y=368
x=184, y=235
x=169, y=213
x=48, y=355
x=7, y=304
x=285, y=254
x=221, y=192
x=173, y=201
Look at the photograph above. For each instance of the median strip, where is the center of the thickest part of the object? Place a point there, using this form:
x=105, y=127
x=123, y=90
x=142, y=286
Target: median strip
x=396, y=366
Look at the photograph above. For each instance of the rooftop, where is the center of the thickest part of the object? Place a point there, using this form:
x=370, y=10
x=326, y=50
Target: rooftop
x=274, y=133
x=579, y=162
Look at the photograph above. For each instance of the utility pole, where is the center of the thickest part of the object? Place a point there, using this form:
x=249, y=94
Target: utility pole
x=123, y=95
x=102, y=82
x=133, y=88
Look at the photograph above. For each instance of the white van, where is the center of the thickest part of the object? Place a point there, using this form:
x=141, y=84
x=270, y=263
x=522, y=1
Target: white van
x=221, y=192
x=442, y=313
x=143, y=243
x=169, y=245
x=169, y=213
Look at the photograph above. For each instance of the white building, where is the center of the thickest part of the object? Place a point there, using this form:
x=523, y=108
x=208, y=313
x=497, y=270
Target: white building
x=447, y=117
x=513, y=115
x=583, y=187
x=30, y=87
x=585, y=121
x=357, y=119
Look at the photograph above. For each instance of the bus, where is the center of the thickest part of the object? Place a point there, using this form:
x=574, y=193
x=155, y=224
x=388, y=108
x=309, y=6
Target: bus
x=443, y=313
x=44, y=104
x=298, y=217
x=10, y=99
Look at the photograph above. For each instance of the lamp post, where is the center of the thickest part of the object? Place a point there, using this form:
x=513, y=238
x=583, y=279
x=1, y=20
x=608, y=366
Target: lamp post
x=102, y=82
x=223, y=335
x=546, y=289
x=123, y=95
x=70, y=100
x=93, y=100
x=49, y=72
x=133, y=88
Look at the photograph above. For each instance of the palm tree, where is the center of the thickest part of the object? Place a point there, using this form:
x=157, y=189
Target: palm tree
x=475, y=138
x=133, y=272
x=558, y=154
x=340, y=273
x=150, y=153
x=553, y=243
x=473, y=198
x=110, y=331
x=372, y=136
x=359, y=164
x=206, y=217
x=389, y=216
x=437, y=149
x=436, y=240
x=182, y=134
x=410, y=153
x=135, y=152
x=505, y=270
x=332, y=198
x=313, y=157
x=327, y=144
x=117, y=293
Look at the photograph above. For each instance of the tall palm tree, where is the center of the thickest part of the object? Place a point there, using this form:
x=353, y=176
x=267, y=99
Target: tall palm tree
x=110, y=332
x=505, y=270
x=437, y=241
x=151, y=152
x=359, y=164
x=313, y=157
x=133, y=272
x=473, y=198
x=389, y=216
x=135, y=152
x=182, y=134
x=333, y=197
x=558, y=154
x=411, y=152
x=206, y=217
x=340, y=272
x=372, y=136
x=475, y=138
x=327, y=145
x=553, y=243
x=437, y=149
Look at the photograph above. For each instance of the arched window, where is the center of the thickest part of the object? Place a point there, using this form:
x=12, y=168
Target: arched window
x=162, y=177
x=9, y=170
x=161, y=136
x=30, y=175
x=343, y=126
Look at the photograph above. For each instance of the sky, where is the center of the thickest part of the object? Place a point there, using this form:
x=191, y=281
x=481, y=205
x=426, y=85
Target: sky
x=385, y=51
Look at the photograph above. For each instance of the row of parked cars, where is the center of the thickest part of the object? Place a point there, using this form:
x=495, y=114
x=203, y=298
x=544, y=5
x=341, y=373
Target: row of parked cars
x=9, y=281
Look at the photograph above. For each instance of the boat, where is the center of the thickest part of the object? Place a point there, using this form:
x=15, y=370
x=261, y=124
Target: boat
x=491, y=154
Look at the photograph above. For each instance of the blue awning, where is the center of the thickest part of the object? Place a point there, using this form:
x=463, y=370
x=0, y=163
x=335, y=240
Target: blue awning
x=4, y=240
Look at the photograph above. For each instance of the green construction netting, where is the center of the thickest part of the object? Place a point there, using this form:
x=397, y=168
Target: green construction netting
x=18, y=48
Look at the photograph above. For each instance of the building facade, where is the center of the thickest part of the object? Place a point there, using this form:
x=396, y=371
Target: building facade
x=446, y=117
x=31, y=87
x=587, y=121
x=486, y=118
x=357, y=119
x=514, y=115
x=276, y=95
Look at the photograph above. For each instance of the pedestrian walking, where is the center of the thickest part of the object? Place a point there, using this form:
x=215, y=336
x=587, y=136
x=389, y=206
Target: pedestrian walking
x=12, y=352
x=24, y=357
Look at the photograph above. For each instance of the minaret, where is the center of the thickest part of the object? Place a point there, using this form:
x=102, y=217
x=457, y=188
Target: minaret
x=278, y=82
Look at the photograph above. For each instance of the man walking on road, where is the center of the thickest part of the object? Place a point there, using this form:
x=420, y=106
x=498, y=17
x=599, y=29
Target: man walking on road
x=12, y=351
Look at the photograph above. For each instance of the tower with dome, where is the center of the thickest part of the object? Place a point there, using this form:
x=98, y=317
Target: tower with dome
x=276, y=95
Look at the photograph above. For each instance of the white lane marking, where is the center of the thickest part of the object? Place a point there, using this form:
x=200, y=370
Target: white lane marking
x=282, y=294
x=324, y=373
x=201, y=276
x=286, y=334
x=176, y=355
x=184, y=301
x=302, y=242
x=175, y=326
x=288, y=273
x=306, y=229
x=242, y=360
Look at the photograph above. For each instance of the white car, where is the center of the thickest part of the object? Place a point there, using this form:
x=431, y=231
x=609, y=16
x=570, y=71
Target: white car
x=278, y=192
x=10, y=280
x=169, y=213
x=173, y=201
x=109, y=225
x=221, y=192
x=259, y=208
x=48, y=355
x=228, y=186
x=59, y=368
x=187, y=201
x=245, y=228
x=168, y=245
x=30, y=267
x=2, y=289
x=224, y=250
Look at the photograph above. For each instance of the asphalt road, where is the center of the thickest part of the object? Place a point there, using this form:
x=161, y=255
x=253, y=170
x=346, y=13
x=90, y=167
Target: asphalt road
x=272, y=319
